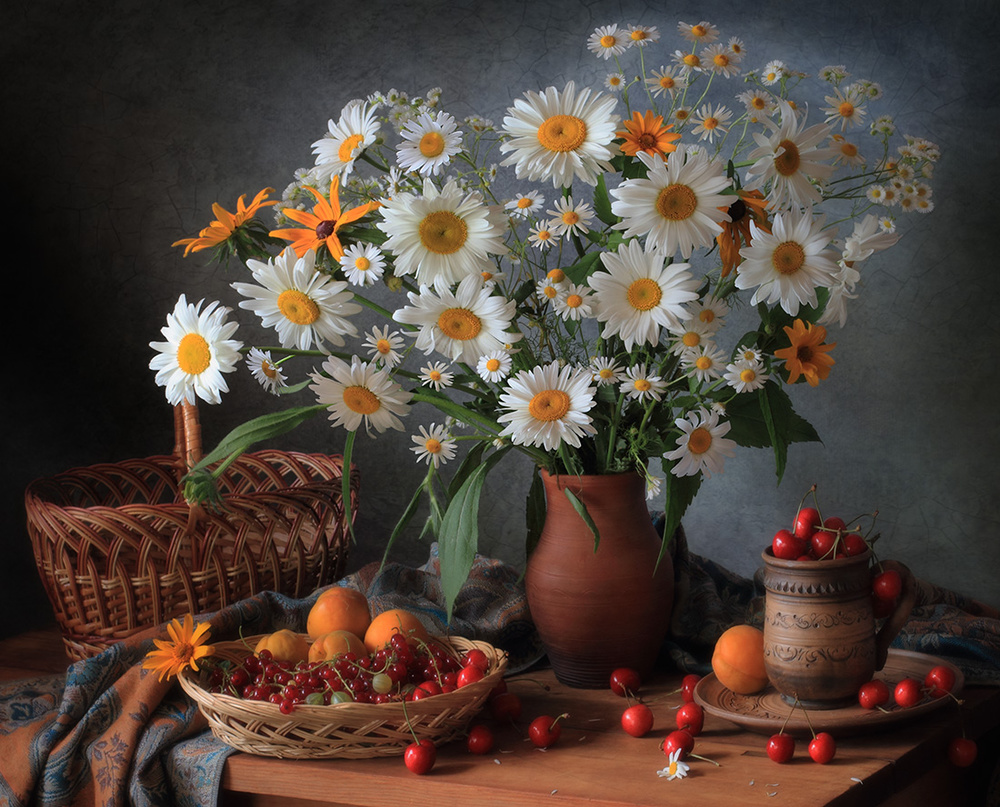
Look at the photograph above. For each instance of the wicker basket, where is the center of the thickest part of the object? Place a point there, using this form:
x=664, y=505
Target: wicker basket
x=345, y=730
x=119, y=550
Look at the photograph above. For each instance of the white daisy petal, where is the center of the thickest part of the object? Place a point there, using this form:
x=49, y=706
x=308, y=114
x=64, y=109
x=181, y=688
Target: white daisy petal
x=548, y=406
x=359, y=393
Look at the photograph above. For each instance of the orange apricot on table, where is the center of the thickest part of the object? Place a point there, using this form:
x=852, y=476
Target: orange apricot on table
x=738, y=659
x=339, y=608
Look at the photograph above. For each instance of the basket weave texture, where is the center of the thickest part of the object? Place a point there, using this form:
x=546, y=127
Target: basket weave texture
x=344, y=730
x=119, y=550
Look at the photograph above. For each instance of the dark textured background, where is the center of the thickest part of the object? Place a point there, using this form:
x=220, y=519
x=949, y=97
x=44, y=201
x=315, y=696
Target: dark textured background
x=124, y=121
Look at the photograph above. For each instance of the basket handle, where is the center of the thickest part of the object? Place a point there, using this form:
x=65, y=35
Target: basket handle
x=187, y=435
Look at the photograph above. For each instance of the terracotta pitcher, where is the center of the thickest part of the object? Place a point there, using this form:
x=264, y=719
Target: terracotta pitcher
x=820, y=638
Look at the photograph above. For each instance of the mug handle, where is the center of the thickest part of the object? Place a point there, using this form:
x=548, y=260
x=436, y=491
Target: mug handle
x=900, y=615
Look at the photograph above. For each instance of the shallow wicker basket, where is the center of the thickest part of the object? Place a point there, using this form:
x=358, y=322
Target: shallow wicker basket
x=345, y=730
x=119, y=549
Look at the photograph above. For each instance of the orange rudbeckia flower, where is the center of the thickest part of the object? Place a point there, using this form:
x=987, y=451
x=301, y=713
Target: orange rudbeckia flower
x=807, y=355
x=647, y=133
x=749, y=206
x=186, y=646
x=226, y=223
x=323, y=222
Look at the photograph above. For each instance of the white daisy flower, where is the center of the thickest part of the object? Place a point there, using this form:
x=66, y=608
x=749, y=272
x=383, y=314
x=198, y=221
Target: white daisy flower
x=841, y=290
x=640, y=385
x=462, y=325
x=736, y=46
x=436, y=375
x=575, y=303
x=702, y=444
x=363, y=264
x=639, y=293
x=665, y=81
x=384, y=346
x=525, y=204
x=788, y=158
x=833, y=73
x=548, y=289
x=615, y=82
x=847, y=108
x=720, y=59
x=197, y=352
x=758, y=103
x=749, y=353
x=306, y=307
x=691, y=334
x=428, y=142
x=654, y=486
x=876, y=194
x=703, y=32
x=676, y=769
x=608, y=41
x=560, y=136
x=570, y=218
x=789, y=263
x=347, y=138
x=494, y=366
x=442, y=236
x=434, y=445
x=359, y=393
x=264, y=369
x=846, y=152
x=605, y=371
x=773, y=72
x=548, y=406
x=688, y=63
x=883, y=125
x=866, y=239
x=642, y=34
x=676, y=205
x=922, y=204
x=745, y=376
x=711, y=312
x=541, y=236
x=706, y=363
x=710, y=123
x=682, y=115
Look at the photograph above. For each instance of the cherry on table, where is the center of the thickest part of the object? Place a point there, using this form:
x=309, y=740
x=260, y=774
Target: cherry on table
x=479, y=739
x=691, y=718
x=506, y=707
x=678, y=740
x=624, y=681
x=688, y=683
x=637, y=720
x=908, y=693
x=822, y=748
x=962, y=752
x=544, y=731
x=781, y=747
x=419, y=757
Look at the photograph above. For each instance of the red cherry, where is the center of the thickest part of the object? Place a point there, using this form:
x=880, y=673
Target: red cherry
x=806, y=522
x=854, y=544
x=469, y=675
x=781, y=747
x=821, y=544
x=962, y=752
x=637, y=720
x=625, y=681
x=476, y=658
x=688, y=683
x=873, y=694
x=882, y=608
x=786, y=546
x=822, y=748
x=544, y=731
x=887, y=585
x=480, y=740
x=908, y=693
x=420, y=757
x=835, y=523
x=691, y=718
x=940, y=680
x=506, y=707
x=678, y=740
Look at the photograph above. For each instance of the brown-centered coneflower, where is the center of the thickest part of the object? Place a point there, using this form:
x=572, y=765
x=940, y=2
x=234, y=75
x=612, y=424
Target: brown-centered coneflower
x=749, y=206
x=807, y=355
x=646, y=132
x=226, y=224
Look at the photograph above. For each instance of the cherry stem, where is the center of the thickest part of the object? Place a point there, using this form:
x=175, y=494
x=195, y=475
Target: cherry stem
x=406, y=717
x=705, y=759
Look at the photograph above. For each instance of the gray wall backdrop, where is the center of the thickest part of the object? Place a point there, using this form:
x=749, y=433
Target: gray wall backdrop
x=125, y=121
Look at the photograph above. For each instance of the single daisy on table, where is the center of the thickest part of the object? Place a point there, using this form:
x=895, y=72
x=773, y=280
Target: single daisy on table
x=547, y=406
x=665, y=81
x=305, y=306
x=541, y=236
x=265, y=370
x=639, y=384
x=807, y=355
x=789, y=263
x=575, y=303
x=639, y=293
x=561, y=136
x=434, y=445
x=676, y=205
x=441, y=236
x=197, y=351
x=494, y=366
x=847, y=108
x=226, y=224
x=384, y=347
x=705, y=363
x=676, y=769
x=710, y=122
x=608, y=41
x=605, y=370
x=745, y=376
x=436, y=375
x=525, y=204
x=363, y=264
x=359, y=393
x=463, y=324
x=702, y=445
x=428, y=142
x=337, y=150
x=646, y=132
x=186, y=646
x=569, y=217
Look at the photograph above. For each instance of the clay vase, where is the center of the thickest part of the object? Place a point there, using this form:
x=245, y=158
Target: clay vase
x=820, y=637
x=596, y=611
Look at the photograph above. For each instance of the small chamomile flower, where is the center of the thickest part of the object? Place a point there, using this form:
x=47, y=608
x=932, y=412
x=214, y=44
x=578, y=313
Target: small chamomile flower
x=265, y=370
x=654, y=486
x=773, y=72
x=642, y=34
x=615, y=82
x=702, y=445
x=383, y=346
x=605, y=371
x=574, y=303
x=434, y=445
x=608, y=41
x=546, y=289
x=745, y=376
x=707, y=363
x=363, y=264
x=525, y=204
x=665, y=81
x=703, y=32
x=676, y=769
x=542, y=236
x=436, y=375
x=494, y=366
x=640, y=384
x=570, y=218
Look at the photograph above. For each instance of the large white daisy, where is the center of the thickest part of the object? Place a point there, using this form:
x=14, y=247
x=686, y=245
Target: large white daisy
x=639, y=293
x=702, y=445
x=789, y=263
x=548, y=405
x=428, y=142
x=337, y=150
x=676, y=206
x=560, y=136
x=197, y=352
x=306, y=307
x=788, y=158
x=462, y=325
x=442, y=236
x=359, y=393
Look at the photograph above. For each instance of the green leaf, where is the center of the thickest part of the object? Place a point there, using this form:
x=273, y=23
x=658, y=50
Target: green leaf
x=583, y=268
x=602, y=202
x=534, y=512
x=345, y=482
x=582, y=511
x=404, y=520
x=680, y=492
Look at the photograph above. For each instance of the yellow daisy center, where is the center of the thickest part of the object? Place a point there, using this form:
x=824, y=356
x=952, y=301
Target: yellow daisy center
x=361, y=400
x=362, y=264
x=346, y=150
x=710, y=123
x=758, y=103
x=487, y=276
x=700, y=440
x=525, y=202
x=268, y=369
x=432, y=144
x=747, y=375
x=608, y=41
x=556, y=275
x=459, y=323
x=706, y=315
x=672, y=769
x=298, y=307
x=788, y=258
x=194, y=354
x=550, y=292
x=434, y=375
x=493, y=365
x=443, y=232
x=562, y=133
x=642, y=385
x=846, y=109
x=570, y=217
x=383, y=346
x=676, y=202
x=787, y=163
x=638, y=36
x=432, y=446
x=574, y=301
x=550, y=404
x=772, y=76
x=682, y=114
x=691, y=339
x=721, y=60
x=667, y=82
x=644, y=294
x=606, y=373
x=698, y=30
x=703, y=363
x=692, y=60
x=848, y=149
x=544, y=235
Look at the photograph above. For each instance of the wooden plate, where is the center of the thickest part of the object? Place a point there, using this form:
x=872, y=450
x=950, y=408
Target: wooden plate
x=766, y=711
